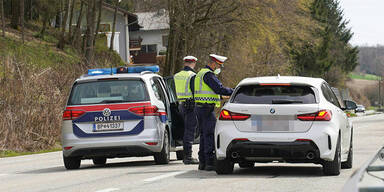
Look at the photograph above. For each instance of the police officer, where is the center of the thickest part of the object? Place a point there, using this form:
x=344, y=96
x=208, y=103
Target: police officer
x=184, y=91
x=208, y=92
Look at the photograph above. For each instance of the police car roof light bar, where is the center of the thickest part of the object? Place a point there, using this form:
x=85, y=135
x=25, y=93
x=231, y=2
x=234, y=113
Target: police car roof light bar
x=135, y=69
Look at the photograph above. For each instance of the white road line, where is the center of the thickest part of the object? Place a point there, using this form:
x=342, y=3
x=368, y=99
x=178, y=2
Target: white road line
x=108, y=190
x=3, y=174
x=164, y=176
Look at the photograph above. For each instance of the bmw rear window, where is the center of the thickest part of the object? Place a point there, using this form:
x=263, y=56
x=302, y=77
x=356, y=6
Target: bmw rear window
x=274, y=94
x=108, y=91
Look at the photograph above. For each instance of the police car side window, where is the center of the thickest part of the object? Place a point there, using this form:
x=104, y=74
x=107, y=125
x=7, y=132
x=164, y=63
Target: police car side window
x=160, y=90
x=155, y=89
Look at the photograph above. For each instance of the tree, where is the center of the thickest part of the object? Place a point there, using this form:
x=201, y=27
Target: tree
x=77, y=32
x=114, y=24
x=22, y=19
x=15, y=14
x=98, y=20
x=90, y=33
x=2, y=17
x=61, y=43
x=70, y=20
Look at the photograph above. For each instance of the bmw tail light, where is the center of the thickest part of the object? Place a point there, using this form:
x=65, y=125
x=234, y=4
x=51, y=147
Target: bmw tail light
x=322, y=115
x=72, y=114
x=149, y=110
x=227, y=115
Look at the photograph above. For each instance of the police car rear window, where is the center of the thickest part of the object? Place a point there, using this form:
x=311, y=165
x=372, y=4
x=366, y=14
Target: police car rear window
x=275, y=94
x=108, y=91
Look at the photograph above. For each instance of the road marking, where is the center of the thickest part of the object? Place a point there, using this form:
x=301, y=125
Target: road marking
x=164, y=176
x=3, y=174
x=108, y=190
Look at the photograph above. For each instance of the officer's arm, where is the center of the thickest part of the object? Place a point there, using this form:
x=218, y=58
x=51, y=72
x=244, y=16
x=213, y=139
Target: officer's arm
x=214, y=83
x=192, y=84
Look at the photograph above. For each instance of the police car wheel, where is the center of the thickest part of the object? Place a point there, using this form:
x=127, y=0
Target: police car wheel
x=180, y=155
x=72, y=162
x=164, y=156
x=99, y=161
x=224, y=166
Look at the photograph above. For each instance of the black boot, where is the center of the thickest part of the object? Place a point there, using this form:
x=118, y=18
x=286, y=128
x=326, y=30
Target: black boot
x=201, y=166
x=189, y=160
x=209, y=167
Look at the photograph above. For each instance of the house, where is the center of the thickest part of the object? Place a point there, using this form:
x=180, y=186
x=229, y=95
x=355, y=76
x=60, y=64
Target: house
x=126, y=23
x=153, y=36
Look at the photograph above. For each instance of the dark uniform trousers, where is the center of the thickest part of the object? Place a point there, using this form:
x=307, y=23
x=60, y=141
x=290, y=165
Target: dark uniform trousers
x=207, y=121
x=190, y=126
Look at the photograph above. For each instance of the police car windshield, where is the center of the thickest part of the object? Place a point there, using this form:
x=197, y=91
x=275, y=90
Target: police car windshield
x=275, y=94
x=110, y=91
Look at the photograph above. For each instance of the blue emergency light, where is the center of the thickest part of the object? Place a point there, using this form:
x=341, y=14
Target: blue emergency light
x=135, y=69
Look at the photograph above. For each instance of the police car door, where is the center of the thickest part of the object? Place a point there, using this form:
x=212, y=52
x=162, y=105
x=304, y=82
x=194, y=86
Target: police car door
x=177, y=120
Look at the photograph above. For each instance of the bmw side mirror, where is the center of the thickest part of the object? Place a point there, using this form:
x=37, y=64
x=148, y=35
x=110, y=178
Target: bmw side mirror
x=349, y=105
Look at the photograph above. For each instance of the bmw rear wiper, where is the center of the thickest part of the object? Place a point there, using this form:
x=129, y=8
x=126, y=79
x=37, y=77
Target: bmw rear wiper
x=111, y=101
x=282, y=101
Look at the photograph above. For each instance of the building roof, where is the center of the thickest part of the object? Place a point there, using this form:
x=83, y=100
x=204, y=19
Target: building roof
x=153, y=20
x=132, y=18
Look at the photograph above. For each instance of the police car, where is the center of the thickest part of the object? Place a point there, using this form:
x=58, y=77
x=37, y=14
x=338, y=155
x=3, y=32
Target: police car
x=120, y=112
x=284, y=119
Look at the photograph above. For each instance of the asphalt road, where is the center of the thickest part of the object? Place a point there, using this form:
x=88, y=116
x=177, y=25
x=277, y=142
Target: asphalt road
x=45, y=172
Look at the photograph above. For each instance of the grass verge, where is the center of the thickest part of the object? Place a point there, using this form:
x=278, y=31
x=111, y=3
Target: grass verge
x=8, y=153
x=364, y=76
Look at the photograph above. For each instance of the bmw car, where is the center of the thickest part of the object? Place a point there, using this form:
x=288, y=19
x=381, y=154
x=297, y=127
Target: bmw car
x=284, y=119
x=120, y=112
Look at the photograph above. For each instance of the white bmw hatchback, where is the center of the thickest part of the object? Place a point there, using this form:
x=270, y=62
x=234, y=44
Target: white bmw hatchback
x=284, y=119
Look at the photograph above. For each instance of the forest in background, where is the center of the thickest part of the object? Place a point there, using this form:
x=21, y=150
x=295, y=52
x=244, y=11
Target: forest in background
x=39, y=61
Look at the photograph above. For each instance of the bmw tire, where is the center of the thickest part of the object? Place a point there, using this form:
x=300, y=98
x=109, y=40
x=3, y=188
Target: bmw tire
x=163, y=156
x=349, y=162
x=224, y=166
x=72, y=162
x=333, y=167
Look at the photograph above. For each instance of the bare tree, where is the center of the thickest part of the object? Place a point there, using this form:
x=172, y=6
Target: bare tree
x=15, y=19
x=98, y=20
x=70, y=20
x=22, y=19
x=90, y=33
x=61, y=43
x=77, y=32
x=2, y=17
x=114, y=24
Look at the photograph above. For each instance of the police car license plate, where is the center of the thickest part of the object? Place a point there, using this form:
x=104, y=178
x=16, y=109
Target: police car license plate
x=114, y=126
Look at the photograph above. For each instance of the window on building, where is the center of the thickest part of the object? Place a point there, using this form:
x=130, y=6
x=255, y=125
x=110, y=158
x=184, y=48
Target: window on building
x=149, y=48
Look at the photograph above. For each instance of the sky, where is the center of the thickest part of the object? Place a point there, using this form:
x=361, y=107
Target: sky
x=366, y=18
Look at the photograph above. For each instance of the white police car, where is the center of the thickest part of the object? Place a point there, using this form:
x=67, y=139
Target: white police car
x=120, y=112
x=283, y=119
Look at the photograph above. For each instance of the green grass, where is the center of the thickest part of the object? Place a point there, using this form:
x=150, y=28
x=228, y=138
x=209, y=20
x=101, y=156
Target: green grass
x=364, y=76
x=37, y=54
x=16, y=153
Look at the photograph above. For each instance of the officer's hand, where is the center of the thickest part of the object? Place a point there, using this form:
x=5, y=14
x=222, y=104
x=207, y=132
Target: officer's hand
x=225, y=97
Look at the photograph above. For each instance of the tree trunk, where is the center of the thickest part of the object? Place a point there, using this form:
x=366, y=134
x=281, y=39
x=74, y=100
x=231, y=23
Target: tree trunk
x=114, y=25
x=70, y=20
x=58, y=19
x=2, y=17
x=22, y=19
x=77, y=33
x=30, y=9
x=90, y=34
x=15, y=14
x=42, y=32
x=98, y=21
x=63, y=25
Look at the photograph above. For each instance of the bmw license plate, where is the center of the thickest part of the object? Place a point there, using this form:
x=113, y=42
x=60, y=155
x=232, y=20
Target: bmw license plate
x=113, y=126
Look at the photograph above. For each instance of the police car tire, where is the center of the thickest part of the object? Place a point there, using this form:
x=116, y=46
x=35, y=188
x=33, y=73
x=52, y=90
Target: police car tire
x=333, y=167
x=246, y=164
x=349, y=162
x=163, y=156
x=72, y=162
x=99, y=161
x=180, y=155
x=224, y=166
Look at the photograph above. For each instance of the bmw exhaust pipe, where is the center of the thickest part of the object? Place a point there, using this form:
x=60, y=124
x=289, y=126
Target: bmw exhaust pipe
x=235, y=155
x=310, y=155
